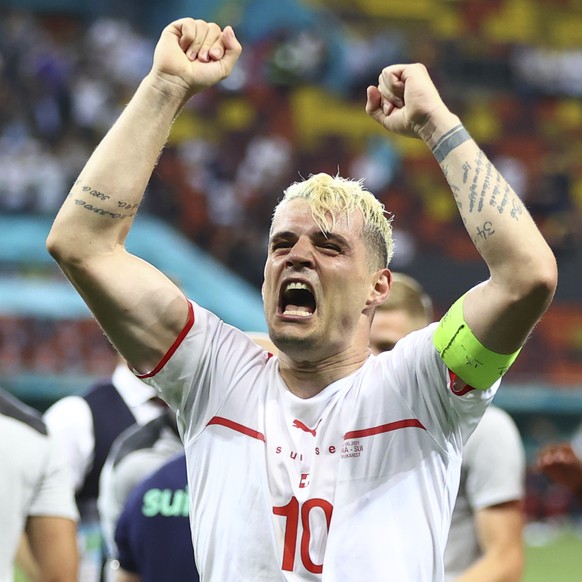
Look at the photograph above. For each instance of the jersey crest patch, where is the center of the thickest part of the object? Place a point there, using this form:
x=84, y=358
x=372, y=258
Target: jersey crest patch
x=458, y=387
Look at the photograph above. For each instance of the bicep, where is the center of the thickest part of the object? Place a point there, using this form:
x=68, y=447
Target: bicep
x=53, y=543
x=501, y=321
x=140, y=309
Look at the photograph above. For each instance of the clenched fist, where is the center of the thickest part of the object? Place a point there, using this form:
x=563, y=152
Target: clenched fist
x=192, y=55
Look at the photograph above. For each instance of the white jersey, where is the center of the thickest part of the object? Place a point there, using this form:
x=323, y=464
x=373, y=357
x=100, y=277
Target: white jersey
x=356, y=483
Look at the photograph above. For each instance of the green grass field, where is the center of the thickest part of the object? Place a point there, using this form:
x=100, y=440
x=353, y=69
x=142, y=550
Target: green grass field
x=554, y=557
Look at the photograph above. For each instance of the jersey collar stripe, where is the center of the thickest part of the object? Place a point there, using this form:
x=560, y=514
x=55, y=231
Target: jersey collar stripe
x=237, y=427
x=365, y=432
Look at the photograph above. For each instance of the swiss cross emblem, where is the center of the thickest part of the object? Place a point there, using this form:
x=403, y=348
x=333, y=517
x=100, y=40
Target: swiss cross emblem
x=304, y=481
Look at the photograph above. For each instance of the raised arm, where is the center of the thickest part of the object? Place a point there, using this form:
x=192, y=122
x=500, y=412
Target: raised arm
x=140, y=309
x=502, y=311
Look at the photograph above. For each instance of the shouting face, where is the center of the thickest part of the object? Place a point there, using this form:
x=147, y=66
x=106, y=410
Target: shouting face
x=319, y=288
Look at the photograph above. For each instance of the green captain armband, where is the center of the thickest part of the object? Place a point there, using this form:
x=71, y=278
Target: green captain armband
x=465, y=355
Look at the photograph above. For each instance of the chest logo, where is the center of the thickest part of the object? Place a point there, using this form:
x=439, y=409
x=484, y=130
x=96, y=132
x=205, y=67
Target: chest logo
x=298, y=424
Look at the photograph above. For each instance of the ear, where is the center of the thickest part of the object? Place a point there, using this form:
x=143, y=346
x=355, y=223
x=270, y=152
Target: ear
x=380, y=290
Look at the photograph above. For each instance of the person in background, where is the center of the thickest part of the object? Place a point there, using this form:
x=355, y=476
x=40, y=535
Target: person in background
x=36, y=497
x=293, y=459
x=85, y=427
x=562, y=464
x=485, y=540
x=408, y=308
x=136, y=453
x=153, y=531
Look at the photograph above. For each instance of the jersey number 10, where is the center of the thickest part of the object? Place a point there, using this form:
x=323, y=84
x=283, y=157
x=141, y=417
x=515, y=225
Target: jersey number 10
x=291, y=512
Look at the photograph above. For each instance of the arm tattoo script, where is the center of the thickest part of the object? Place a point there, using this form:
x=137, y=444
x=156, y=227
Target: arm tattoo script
x=120, y=210
x=487, y=188
x=101, y=211
x=486, y=230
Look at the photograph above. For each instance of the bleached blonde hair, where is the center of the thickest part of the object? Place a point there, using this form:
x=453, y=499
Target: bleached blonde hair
x=332, y=197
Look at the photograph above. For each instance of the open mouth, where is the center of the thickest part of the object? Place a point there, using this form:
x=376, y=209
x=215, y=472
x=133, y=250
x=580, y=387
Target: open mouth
x=297, y=300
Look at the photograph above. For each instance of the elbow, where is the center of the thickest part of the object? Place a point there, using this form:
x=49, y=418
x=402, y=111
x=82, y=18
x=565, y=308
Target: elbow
x=54, y=245
x=62, y=248
x=534, y=283
x=544, y=283
x=72, y=248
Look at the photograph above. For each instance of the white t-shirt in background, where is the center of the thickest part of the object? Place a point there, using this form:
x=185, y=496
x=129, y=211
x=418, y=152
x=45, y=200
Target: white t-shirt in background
x=34, y=477
x=492, y=472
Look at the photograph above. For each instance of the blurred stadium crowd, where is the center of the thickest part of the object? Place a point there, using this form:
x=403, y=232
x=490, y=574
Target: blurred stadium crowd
x=509, y=68
x=295, y=107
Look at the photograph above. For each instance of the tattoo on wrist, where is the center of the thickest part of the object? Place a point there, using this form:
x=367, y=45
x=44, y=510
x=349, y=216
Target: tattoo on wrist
x=448, y=142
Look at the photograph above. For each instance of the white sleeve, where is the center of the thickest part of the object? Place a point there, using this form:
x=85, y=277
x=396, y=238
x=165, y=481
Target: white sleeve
x=203, y=369
x=54, y=494
x=431, y=392
x=494, y=459
x=70, y=422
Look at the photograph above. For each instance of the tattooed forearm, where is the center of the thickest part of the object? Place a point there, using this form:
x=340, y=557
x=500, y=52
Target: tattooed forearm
x=476, y=179
x=96, y=193
x=120, y=209
x=448, y=142
x=101, y=211
x=466, y=168
x=517, y=209
x=486, y=184
x=454, y=188
x=486, y=230
x=505, y=201
x=496, y=190
x=487, y=187
x=126, y=205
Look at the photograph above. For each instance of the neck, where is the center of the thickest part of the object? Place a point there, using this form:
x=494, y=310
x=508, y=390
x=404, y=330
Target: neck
x=307, y=379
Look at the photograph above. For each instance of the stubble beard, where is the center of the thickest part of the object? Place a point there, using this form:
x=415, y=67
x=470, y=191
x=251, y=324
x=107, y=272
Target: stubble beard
x=296, y=346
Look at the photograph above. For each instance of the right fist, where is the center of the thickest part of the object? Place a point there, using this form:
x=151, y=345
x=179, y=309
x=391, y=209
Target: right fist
x=193, y=54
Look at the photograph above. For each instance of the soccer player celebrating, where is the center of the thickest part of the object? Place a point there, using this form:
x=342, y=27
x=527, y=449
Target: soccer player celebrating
x=324, y=463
